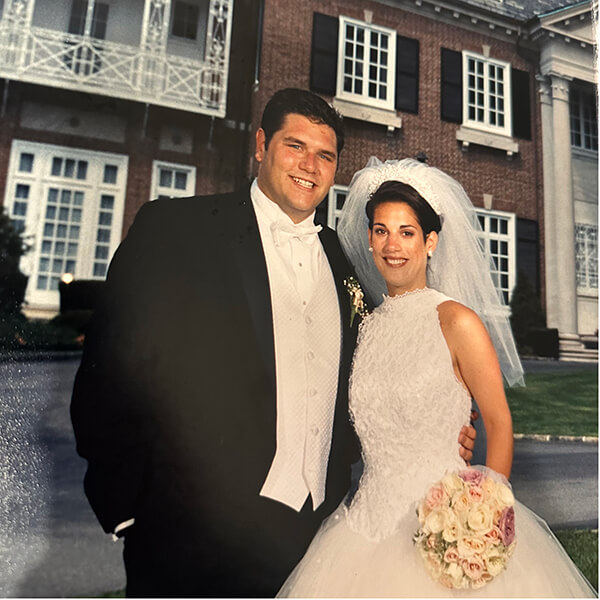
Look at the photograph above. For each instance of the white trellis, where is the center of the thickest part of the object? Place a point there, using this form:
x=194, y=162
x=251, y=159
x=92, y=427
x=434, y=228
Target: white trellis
x=147, y=73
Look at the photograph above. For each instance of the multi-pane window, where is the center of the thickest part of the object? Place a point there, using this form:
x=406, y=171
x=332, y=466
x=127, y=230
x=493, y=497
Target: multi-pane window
x=366, y=66
x=499, y=242
x=171, y=180
x=69, y=204
x=335, y=202
x=60, y=237
x=586, y=256
x=486, y=93
x=584, y=119
x=184, y=22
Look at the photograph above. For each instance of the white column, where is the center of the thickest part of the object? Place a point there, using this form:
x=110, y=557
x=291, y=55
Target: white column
x=564, y=297
x=550, y=258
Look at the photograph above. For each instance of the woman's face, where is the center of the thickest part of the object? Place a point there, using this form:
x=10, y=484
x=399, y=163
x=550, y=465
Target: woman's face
x=399, y=250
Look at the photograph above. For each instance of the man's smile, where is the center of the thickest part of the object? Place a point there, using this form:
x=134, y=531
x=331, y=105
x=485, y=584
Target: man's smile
x=309, y=185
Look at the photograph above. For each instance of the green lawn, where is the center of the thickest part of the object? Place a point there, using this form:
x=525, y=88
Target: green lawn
x=582, y=546
x=556, y=404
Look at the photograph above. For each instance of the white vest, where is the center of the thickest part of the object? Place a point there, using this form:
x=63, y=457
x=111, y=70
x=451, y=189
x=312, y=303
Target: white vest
x=307, y=336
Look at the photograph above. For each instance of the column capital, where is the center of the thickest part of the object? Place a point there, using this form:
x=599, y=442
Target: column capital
x=544, y=89
x=560, y=85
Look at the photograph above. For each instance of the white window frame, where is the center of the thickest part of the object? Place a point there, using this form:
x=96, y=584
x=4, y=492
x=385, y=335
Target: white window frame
x=590, y=254
x=579, y=119
x=510, y=238
x=157, y=191
x=363, y=97
x=41, y=181
x=487, y=108
x=333, y=212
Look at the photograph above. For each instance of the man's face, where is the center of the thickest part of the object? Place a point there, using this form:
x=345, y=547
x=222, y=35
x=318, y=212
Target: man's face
x=298, y=168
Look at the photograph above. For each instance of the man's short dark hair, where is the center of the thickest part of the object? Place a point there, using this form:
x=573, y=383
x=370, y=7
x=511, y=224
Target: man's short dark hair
x=300, y=102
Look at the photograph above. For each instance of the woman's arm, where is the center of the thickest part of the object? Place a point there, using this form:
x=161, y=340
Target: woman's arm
x=476, y=366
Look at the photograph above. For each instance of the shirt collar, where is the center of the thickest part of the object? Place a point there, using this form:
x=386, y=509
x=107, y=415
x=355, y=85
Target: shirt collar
x=269, y=212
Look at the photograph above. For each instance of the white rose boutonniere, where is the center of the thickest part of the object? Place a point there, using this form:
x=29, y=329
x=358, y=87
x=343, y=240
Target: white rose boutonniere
x=357, y=299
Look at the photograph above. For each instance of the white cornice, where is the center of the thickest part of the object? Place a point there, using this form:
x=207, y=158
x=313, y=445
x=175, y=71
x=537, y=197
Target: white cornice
x=467, y=16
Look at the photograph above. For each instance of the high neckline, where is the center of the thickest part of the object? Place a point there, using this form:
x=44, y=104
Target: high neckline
x=387, y=298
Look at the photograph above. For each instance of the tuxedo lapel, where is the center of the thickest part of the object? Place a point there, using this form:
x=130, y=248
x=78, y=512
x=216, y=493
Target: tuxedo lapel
x=341, y=271
x=249, y=254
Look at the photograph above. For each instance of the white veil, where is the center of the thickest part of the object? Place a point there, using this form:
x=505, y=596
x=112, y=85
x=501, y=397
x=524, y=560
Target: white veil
x=458, y=268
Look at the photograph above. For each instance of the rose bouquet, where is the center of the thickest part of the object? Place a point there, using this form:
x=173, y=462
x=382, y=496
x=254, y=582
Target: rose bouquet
x=467, y=531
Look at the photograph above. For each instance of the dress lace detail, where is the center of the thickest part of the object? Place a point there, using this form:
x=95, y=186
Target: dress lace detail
x=401, y=343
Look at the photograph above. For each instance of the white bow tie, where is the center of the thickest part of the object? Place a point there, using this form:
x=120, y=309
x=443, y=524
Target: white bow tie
x=283, y=232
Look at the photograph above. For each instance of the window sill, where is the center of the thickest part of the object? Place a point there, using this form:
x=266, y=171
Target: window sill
x=584, y=153
x=363, y=112
x=467, y=136
x=590, y=293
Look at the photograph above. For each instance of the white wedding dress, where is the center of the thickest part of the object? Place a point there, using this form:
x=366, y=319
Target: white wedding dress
x=408, y=408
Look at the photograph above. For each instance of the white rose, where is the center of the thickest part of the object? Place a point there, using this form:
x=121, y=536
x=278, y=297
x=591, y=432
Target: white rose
x=435, y=521
x=505, y=496
x=452, y=528
x=480, y=518
x=452, y=483
x=495, y=565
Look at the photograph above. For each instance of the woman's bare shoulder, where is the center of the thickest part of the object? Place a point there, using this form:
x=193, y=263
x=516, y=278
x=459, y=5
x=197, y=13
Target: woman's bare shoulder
x=457, y=319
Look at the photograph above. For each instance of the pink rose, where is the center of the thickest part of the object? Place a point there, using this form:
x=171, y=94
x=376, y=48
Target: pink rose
x=451, y=555
x=473, y=567
x=436, y=496
x=507, y=526
x=476, y=493
x=493, y=536
x=472, y=476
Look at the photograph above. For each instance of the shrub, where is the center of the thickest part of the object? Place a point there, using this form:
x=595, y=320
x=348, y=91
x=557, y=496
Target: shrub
x=12, y=281
x=526, y=315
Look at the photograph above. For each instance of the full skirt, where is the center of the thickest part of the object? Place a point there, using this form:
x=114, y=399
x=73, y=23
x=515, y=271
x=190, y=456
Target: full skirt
x=344, y=564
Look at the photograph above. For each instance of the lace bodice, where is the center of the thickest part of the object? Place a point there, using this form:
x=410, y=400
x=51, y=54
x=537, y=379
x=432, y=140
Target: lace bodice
x=407, y=406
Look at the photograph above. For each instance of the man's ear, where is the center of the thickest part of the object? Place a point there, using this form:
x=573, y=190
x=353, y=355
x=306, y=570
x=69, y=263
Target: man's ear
x=260, y=145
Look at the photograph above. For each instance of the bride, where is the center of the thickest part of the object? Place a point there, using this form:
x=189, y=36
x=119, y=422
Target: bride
x=422, y=354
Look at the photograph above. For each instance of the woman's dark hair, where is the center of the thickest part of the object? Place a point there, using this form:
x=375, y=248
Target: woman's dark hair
x=396, y=191
x=300, y=102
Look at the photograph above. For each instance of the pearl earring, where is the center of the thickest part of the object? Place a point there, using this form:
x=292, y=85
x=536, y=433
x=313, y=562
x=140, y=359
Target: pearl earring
x=429, y=254
x=370, y=249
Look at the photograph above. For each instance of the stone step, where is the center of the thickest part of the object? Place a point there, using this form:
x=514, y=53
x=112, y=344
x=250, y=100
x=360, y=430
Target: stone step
x=587, y=355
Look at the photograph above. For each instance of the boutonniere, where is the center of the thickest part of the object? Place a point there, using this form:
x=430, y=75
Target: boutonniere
x=357, y=299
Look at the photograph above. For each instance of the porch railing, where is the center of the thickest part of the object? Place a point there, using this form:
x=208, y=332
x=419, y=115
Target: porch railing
x=57, y=59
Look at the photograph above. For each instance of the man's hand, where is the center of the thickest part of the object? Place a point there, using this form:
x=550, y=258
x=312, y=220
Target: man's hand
x=466, y=439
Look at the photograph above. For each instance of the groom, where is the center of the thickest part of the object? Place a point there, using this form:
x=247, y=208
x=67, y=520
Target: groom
x=211, y=401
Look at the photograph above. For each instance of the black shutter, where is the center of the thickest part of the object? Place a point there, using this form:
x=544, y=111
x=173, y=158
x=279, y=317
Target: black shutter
x=528, y=251
x=407, y=74
x=451, y=90
x=521, y=104
x=323, y=59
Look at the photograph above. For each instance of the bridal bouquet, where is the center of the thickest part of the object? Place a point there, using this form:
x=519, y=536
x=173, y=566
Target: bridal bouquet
x=467, y=531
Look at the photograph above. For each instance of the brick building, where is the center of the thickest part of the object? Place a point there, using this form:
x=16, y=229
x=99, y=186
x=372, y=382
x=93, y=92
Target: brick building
x=106, y=105
x=452, y=82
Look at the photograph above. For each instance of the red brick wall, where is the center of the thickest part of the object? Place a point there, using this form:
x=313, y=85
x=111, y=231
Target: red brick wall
x=515, y=184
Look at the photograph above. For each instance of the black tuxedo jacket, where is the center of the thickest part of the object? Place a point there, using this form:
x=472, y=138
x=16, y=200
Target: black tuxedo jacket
x=174, y=404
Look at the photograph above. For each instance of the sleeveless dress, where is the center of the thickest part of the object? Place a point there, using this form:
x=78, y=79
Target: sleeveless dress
x=408, y=406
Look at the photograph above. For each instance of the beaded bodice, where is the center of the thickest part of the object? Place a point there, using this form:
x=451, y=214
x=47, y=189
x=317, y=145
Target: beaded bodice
x=407, y=407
